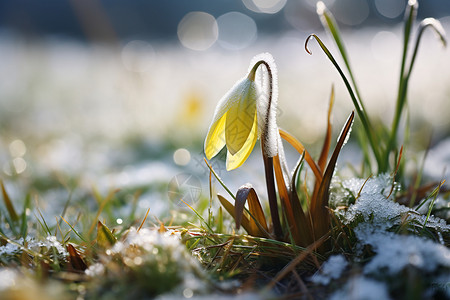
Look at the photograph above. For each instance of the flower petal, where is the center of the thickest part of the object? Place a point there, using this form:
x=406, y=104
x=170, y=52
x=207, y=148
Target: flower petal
x=236, y=160
x=215, y=140
x=241, y=118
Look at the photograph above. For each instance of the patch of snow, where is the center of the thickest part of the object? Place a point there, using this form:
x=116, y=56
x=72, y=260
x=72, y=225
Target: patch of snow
x=331, y=269
x=375, y=205
x=394, y=252
x=362, y=288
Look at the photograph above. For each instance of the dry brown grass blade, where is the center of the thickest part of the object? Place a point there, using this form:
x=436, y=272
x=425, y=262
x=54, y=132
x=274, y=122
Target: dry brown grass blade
x=284, y=197
x=300, y=148
x=319, y=210
x=247, y=193
x=245, y=222
x=290, y=267
x=322, y=162
x=293, y=210
x=8, y=203
x=75, y=259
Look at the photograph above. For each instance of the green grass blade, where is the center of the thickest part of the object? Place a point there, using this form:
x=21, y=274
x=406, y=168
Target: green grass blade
x=430, y=208
x=359, y=109
x=24, y=217
x=329, y=23
x=8, y=203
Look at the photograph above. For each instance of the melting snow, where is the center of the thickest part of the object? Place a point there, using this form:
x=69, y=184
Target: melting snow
x=331, y=269
x=362, y=288
x=394, y=252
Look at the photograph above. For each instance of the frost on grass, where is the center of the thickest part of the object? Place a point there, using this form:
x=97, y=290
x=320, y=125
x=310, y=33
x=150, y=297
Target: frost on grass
x=331, y=269
x=145, y=262
x=19, y=245
x=362, y=288
x=394, y=252
x=377, y=222
x=374, y=203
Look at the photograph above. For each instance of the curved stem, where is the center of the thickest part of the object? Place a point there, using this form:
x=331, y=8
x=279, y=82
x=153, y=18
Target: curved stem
x=268, y=161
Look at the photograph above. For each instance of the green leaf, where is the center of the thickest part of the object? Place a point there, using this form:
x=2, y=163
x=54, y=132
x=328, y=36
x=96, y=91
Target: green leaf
x=8, y=203
x=105, y=238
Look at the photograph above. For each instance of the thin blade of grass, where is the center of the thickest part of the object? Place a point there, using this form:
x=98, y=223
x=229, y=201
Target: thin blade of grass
x=436, y=26
x=74, y=231
x=8, y=203
x=24, y=216
x=199, y=216
x=293, y=264
x=143, y=221
x=430, y=208
x=329, y=22
x=102, y=202
x=301, y=149
x=219, y=179
x=357, y=103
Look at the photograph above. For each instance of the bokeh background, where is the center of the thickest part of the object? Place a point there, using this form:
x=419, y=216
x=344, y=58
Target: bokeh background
x=119, y=94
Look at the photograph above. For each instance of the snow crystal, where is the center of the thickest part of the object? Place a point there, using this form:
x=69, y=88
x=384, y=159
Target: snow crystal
x=32, y=244
x=362, y=288
x=331, y=269
x=394, y=252
x=9, y=249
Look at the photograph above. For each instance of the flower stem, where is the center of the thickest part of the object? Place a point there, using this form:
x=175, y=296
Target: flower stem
x=268, y=161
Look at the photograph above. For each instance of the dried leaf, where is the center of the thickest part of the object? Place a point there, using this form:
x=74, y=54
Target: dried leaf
x=75, y=259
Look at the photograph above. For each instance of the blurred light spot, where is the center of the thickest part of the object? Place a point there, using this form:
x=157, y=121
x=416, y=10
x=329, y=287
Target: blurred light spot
x=7, y=168
x=181, y=157
x=197, y=30
x=138, y=56
x=383, y=44
x=17, y=148
x=351, y=12
x=119, y=221
x=265, y=6
x=236, y=30
x=19, y=164
x=138, y=261
x=8, y=279
x=302, y=16
x=188, y=293
x=313, y=3
x=390, y=8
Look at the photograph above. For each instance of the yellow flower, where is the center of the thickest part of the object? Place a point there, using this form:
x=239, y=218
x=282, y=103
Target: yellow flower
x=235, y=123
